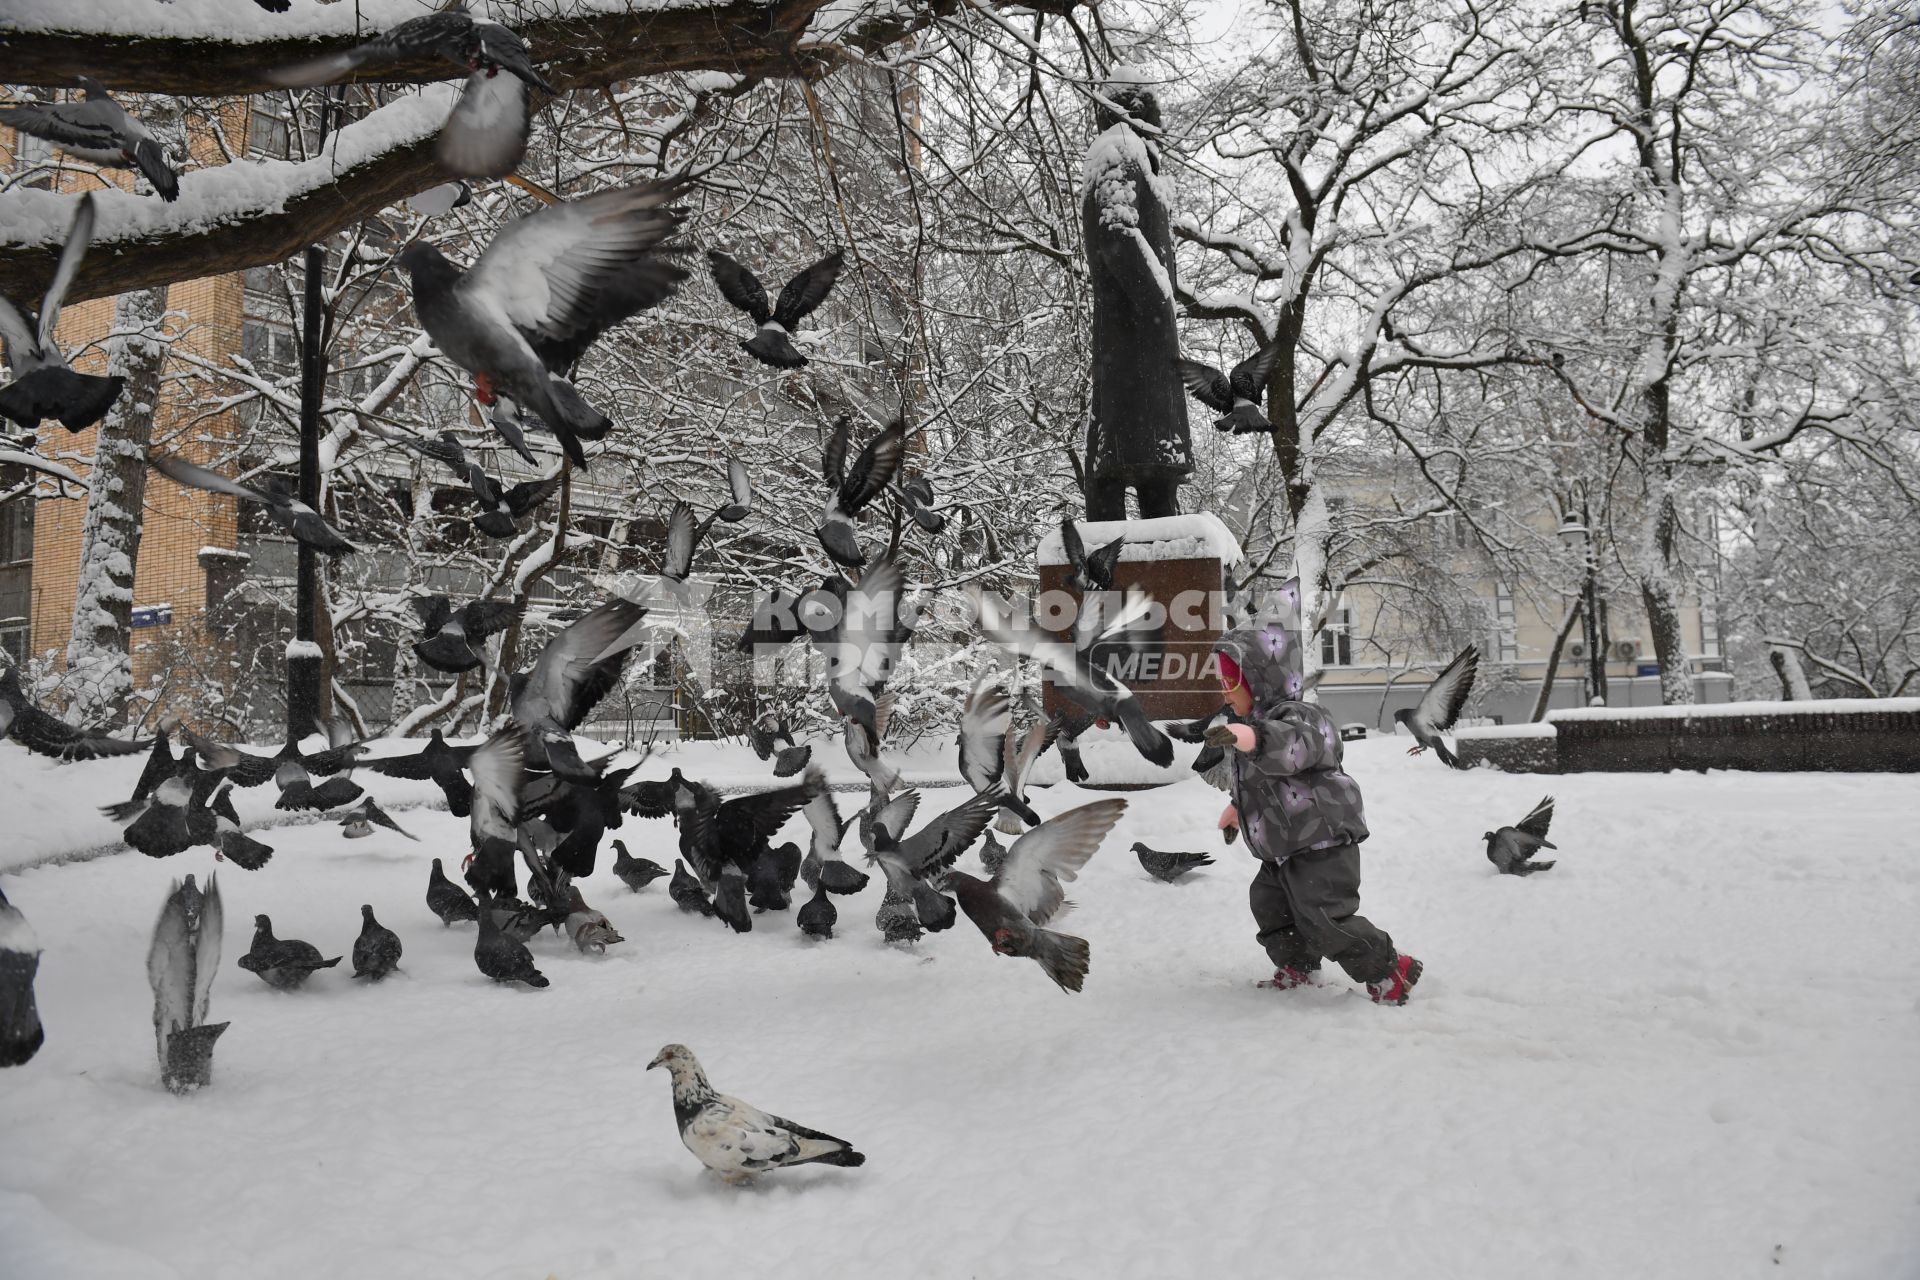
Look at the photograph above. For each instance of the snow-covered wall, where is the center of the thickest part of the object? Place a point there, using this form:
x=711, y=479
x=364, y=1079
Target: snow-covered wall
x=1199, y=536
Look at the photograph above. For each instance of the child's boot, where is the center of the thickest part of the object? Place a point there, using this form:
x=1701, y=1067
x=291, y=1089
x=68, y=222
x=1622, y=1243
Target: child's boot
x=1393, y=988
x=1287, y=977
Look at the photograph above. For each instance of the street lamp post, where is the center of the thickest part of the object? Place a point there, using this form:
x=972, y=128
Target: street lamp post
x=1577, y=531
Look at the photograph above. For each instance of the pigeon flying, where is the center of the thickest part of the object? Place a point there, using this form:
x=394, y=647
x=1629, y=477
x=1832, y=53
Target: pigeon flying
x=735, y=1140
x=1091, y=572
x=100, y=132
x=181, y=962
x=44, y=385
x=453, y=635
x=1011, y=908
x=45, y=735
x=576, y=669
x=21, y=1034
x=1169, y=866
x=852, y=488
x=550, y=284
x=771, y=341
x=376, y=952
x=1237, y=395
x=445, y=765
x=367, y=815
x=282, y=963
x=281, y=506
x=1440, y=706
x=448, y=900
x=1511, y=849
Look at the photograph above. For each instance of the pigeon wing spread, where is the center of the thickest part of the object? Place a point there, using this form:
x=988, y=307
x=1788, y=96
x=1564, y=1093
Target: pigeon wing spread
x=1053, y=852
x=1440, y=705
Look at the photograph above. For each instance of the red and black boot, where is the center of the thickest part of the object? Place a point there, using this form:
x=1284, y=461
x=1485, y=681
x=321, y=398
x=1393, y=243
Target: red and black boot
x=1393, y=988
x=1287, y=977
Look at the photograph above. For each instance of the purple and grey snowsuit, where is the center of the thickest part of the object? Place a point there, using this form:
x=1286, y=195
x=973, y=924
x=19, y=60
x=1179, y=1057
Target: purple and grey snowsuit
x=1301, y=815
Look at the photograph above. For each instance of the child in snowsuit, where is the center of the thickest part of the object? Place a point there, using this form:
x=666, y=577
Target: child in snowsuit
x=1302, y=818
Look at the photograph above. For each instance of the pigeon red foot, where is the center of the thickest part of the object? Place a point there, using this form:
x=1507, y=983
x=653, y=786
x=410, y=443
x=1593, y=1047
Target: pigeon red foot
x=1394, y=988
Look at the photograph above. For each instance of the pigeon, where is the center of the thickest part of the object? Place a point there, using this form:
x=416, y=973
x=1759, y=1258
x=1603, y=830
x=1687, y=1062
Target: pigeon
x=993, y=854
x=739, y=493
x=502, y=958
x=454, y=634
x=182, y=960
x=916, y=865
x=592, y=932
x=862, y=643
x=1440, y=706
x=156, y=824
x=770, y=882
x=1511, y=849
x=776, y=623
x=635, y=873
x=21, y=1034
x=823, y=867
x=817, y=915
x=550, y=284
x=293, y=776
x=575, y=670
x=1237, y=395
x=279, y=502
x=444, y=764
x=730, y=900
x=230, y=843
x=765, y=737
x=499, y=774
x=852, y=488
x=1091, y=572
x=44, y=385
x=448, y=900
x=1084, y=681
x=100, y=132
x=285, y=964
x=916, y=492
x=686, y=891
x=1169, y=866
x=771, y=342
x=735, y=1140
x=500, y=508
x=486, y=134
x=1011, y=908
x=376, y=952
x=863, y=747
x=45, y=735
x=1020, y=752
x=986, y=747
x=366, y=815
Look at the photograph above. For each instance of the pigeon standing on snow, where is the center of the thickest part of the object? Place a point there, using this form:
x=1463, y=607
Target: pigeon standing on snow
x=635, y=873
x=1511, y=849
x=550, y=284
x=376, y=952
x=502, y=958
x=99, y=131
x=486, y=135
x=730, y=900
x=45, y=735
x=817, y=915
x=44, y=385
x=453, y=635
x=771, y=341
x=851, y=488
x=1440, y=706
x=1011, y=908
x=283, y=963
x=770, y=882
x=591, y=931
x=735, y=1140
x=21, y=1034
x=686, y=891
x=448, y=900
x=282, y=507
x=181, y=963
x=1169, y=866
x=1235, y=396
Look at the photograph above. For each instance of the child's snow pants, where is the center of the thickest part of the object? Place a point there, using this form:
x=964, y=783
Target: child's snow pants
x=1305, y=907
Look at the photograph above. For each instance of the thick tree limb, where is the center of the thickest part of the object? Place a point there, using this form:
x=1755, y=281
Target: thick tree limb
x=595, y=47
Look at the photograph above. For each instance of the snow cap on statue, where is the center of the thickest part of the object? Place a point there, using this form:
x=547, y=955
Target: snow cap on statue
x=1266, y=654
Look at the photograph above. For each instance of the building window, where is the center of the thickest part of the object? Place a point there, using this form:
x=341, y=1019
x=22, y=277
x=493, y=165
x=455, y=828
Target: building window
x=1709, y=629
x=271, y=351
x=1336, y=638
x=267, y=132
x=13, y=639
x=16, y=530
x=1506, y=635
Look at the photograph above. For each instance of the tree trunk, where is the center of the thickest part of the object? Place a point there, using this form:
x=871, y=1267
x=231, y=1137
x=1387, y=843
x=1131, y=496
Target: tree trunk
x=1660, y=593
x=1553, y=663
x=1793, y=678
x=99, y=653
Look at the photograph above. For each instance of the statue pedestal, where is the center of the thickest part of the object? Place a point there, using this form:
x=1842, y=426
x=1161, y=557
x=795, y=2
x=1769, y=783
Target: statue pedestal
x=1178, y=561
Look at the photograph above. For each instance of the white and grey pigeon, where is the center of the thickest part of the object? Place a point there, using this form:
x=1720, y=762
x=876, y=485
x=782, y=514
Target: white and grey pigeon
x=281, y=505
x=566, y=682
x=738, y=1141
x=1440, y=706
x=542, y=292
x=21, y=1034
x=862, y=642
x=182, y=960
x=1235, y=396
x=851, y=488
x=1022, y=749
x=986, y=739
x=360, y=821
x=44, y=385
x=771, y=342
x=823, y=868
x=486, y=134
x=1511, y=849
x=1025, y=894
x=99, y=131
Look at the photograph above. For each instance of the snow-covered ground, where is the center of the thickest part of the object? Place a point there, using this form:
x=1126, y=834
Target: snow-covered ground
x=1690, y=1050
